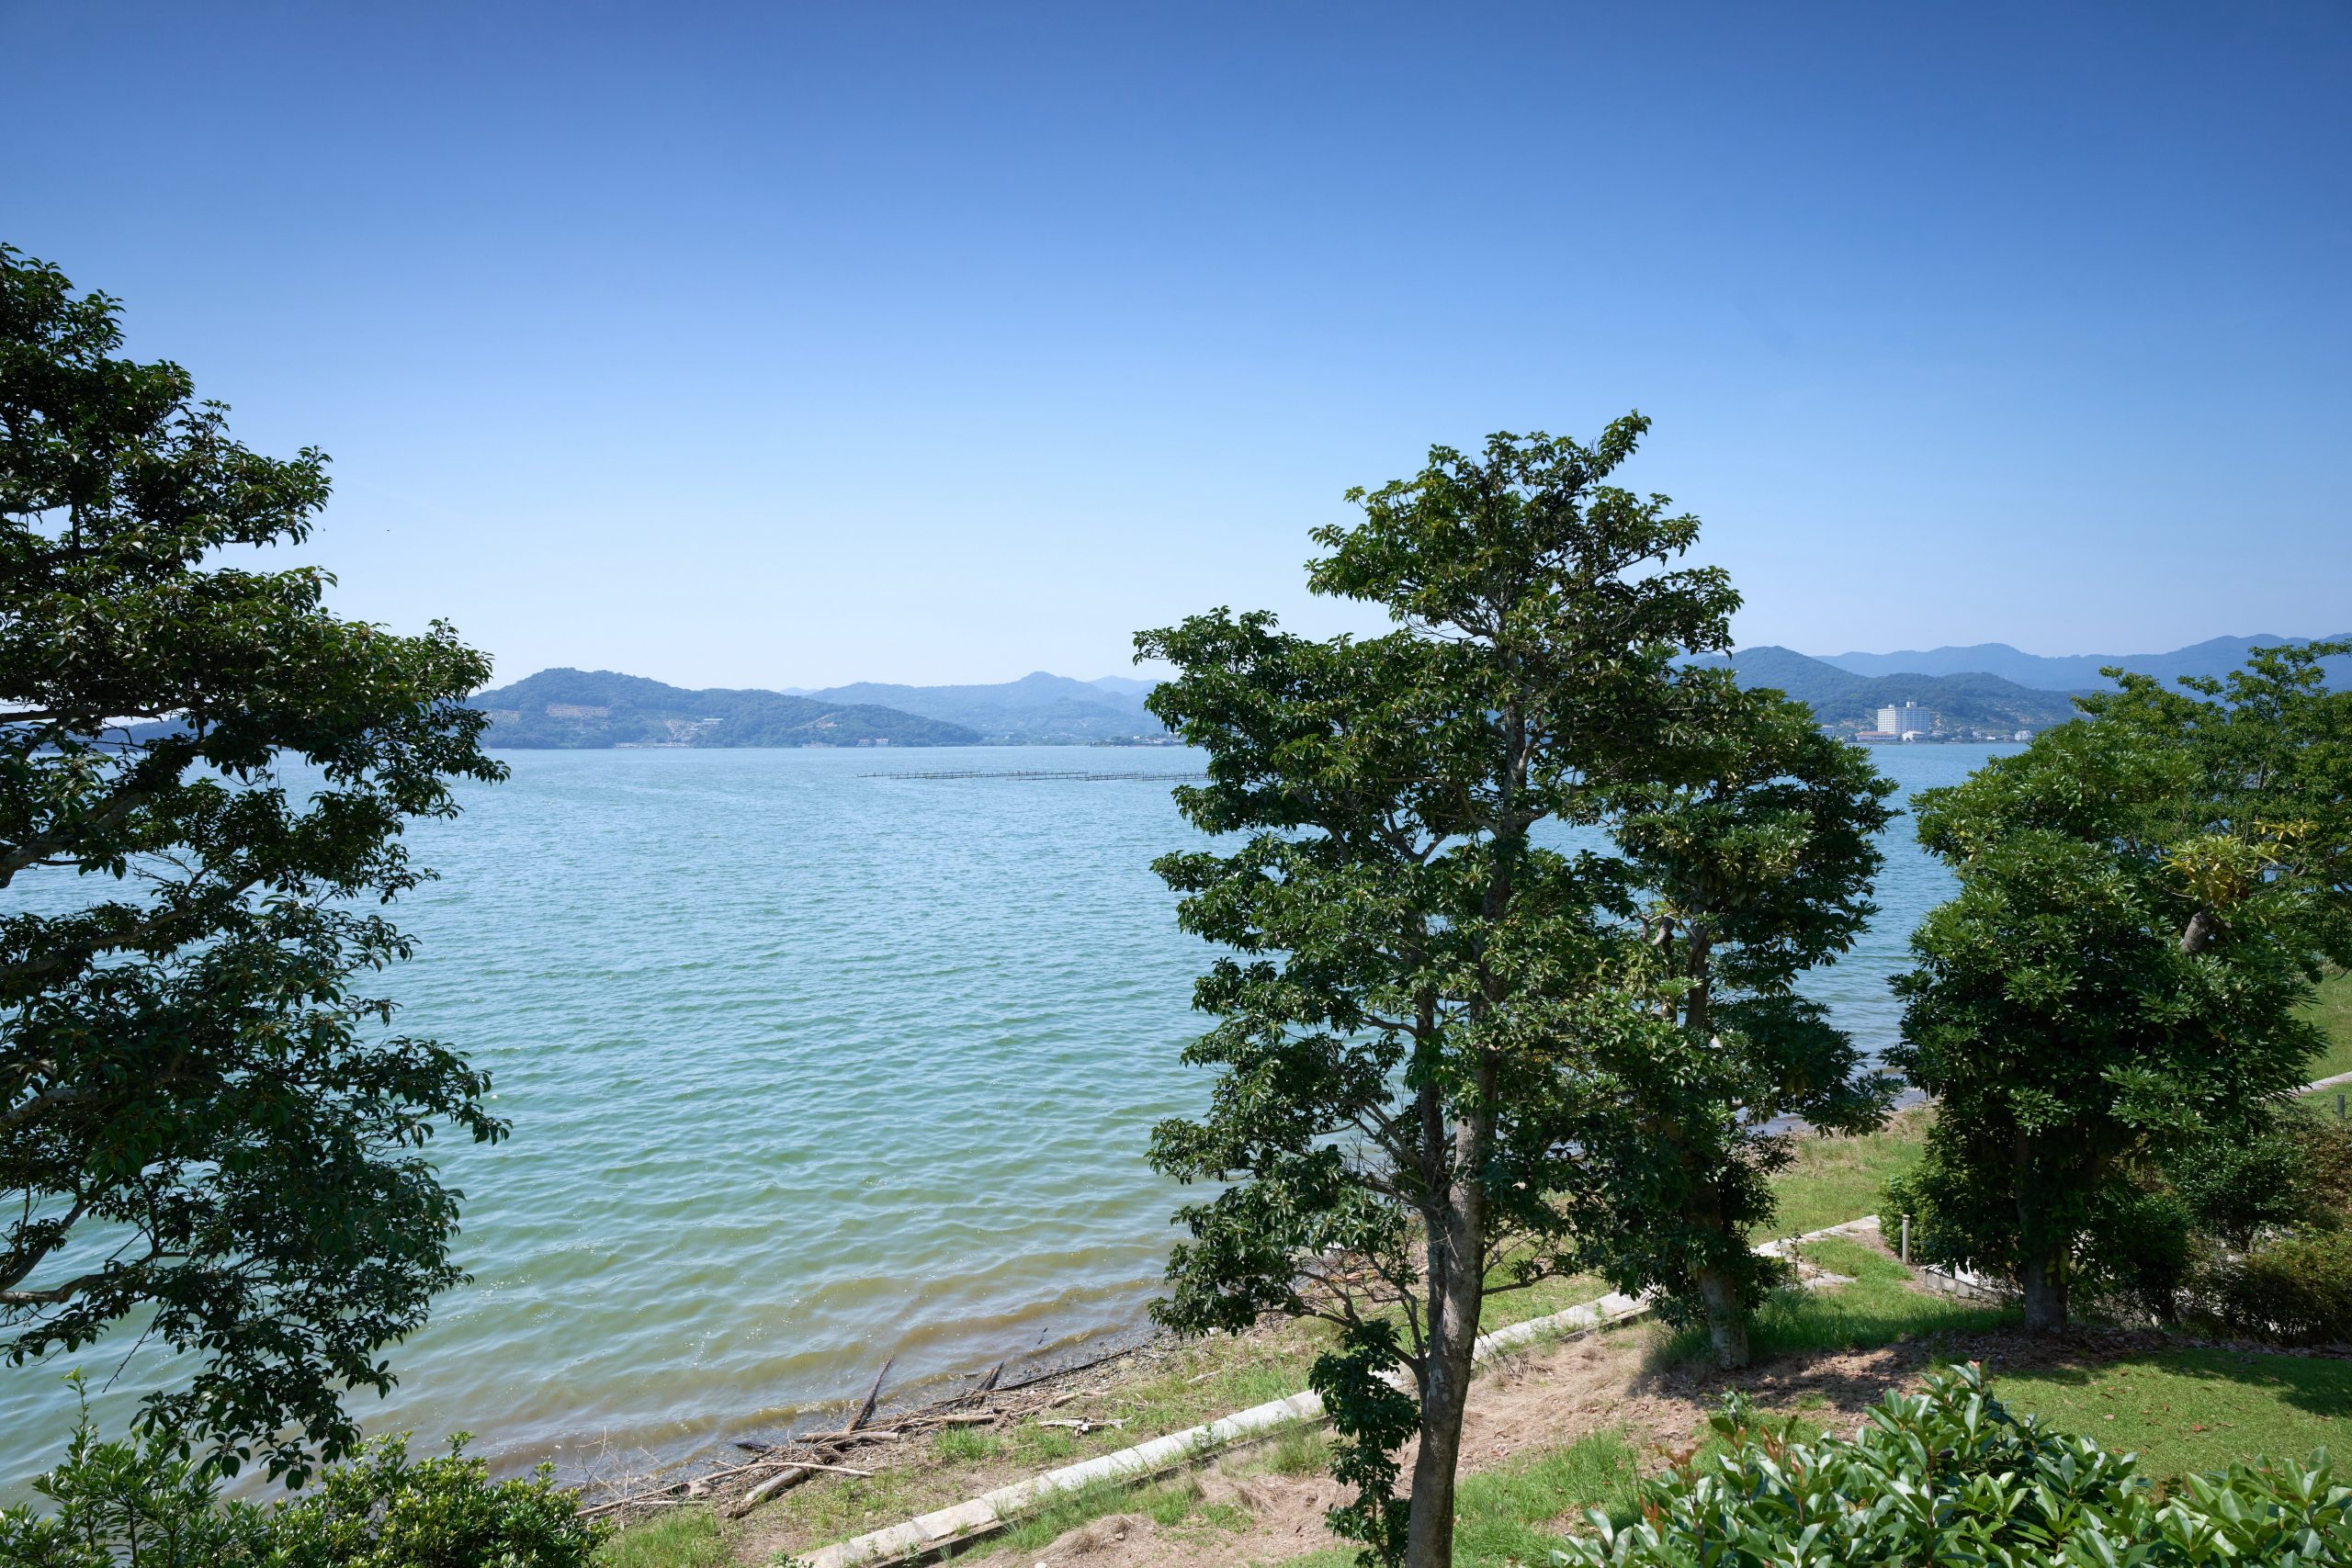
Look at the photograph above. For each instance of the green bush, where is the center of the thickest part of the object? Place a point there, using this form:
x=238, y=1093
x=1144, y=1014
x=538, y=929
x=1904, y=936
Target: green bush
x=2195, y=1233
x=2297, y=1170
x=1948, y=1475
x=2296, y=1289
x=146, y=1505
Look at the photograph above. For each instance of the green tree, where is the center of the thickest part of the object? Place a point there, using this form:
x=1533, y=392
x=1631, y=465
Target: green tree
x=1750, y=872
x=145, y=1504
x=2146, y=897
x=204, y=1117
x=1415, y=984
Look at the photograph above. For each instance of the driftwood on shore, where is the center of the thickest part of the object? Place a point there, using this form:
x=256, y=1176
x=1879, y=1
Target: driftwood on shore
x=773, y=1468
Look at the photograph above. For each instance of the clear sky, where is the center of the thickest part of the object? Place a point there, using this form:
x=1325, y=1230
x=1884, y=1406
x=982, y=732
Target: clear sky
x=796, y=345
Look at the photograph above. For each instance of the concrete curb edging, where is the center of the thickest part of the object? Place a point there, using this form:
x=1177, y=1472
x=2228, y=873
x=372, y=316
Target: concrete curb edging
x=993, y=1511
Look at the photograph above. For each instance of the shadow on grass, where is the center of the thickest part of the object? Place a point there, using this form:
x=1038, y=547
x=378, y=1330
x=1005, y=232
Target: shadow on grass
x=2316, y=1385
x=1881, y=1307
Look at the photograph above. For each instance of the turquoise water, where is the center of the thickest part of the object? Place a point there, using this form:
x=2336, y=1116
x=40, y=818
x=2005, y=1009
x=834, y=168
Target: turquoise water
x=807, y=1067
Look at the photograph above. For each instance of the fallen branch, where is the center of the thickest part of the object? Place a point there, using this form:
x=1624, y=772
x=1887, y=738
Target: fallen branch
x=826, y=1439
x=774, y=1467
x=1067, y=1371
x=836, y=1469
x=866, y=1410
x=769, y=1488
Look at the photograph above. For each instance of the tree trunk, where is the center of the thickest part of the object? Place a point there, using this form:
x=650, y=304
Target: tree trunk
x=2043, y=1279
x=1726, y=1318
x=1429, y=1537
x=2042, y=1274
x=1445, y=1394
x=1718, y=1289
x=2204, y=927
x=1457, y=1288
x=1457, y=1239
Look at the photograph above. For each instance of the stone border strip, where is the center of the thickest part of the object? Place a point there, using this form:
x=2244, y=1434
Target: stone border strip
x=993, y=1511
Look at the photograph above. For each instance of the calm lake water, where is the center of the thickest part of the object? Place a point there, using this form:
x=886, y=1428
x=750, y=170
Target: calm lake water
x=808, y=1067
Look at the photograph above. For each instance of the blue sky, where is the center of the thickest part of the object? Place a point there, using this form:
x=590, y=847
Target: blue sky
x=789, y=345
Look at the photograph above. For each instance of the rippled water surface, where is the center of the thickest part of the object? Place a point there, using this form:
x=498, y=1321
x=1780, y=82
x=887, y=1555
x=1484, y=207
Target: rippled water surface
x=808, y=1067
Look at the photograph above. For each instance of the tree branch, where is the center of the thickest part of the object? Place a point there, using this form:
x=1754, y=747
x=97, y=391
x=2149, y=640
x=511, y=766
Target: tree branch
x=64, y=1094
x=26, y=968
x=127, y=797
x=14, y=1273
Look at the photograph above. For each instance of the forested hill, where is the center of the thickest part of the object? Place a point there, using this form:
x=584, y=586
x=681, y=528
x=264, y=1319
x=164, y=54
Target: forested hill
x=591, y=709
x=1036, y=709
x=1844, y=700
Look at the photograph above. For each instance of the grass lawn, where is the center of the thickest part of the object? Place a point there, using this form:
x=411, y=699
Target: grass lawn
x=1512, y=1514
x=2183, y=1411
x=1832, y=1180
x=2186, y=1411
x=1175, y=1505
x=683, y=1538
x=2333, y=1009
x=1539, y=1300
x=1881, y=1307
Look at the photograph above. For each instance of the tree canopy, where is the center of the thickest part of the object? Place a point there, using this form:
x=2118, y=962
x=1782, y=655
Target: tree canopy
x=2146, y=897
x=205, y=1117
x=1414, y=983
x=1747, y=870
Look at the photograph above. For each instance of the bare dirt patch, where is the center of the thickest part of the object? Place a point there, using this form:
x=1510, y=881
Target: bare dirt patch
x=1550, y=1398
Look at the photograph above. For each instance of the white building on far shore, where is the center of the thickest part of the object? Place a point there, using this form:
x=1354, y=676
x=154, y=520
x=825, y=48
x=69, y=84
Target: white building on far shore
x=1910, y=716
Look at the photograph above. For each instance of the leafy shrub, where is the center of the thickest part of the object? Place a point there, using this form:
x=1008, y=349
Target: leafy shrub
x=146, y=1505
x=2323, y=1167
x=1949, y=1476
x=2296, y=1171
x=142, y=1505
x=2158, y=1240
x=2140, y=1250
x=2296, y=1288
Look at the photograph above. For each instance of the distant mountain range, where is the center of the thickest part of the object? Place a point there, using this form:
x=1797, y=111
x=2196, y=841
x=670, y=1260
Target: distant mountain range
x=2075, y=671
x=1990, y=687
x=1035, y=708
x=591, y=709
x=1843, y=699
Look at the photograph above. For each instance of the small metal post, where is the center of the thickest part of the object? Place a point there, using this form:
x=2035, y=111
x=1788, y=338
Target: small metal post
x=2339, y=1107
x=1906, y=1253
